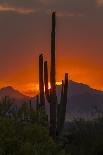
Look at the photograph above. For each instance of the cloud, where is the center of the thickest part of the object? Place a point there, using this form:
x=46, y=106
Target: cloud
x=10, y=8
x=100, y=2
x=71, y=7
x=22, y=3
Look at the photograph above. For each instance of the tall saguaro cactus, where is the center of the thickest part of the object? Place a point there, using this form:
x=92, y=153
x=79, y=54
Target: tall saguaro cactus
x=53, y=103
x=51, y=95
x=57, y=111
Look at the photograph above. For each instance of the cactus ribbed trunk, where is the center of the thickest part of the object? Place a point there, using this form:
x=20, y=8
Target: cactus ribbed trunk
x=53, y=103
x=41, y=82
x=57, y=111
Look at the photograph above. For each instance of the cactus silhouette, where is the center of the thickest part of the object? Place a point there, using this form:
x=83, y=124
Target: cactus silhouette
x=62, y=105
x=53, y=103
x=57, y=111
x=41, y=82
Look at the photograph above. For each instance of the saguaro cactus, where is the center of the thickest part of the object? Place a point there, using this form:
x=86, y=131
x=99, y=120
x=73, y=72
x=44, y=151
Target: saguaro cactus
x=62, y=105
x=53, y=103
x=51, y=97
x=57, y=111
x=41, y=81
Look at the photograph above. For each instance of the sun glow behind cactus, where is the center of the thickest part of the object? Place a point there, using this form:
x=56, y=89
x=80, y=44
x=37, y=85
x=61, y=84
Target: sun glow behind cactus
x=32, y=89
x=57, y=83
x=49, y=86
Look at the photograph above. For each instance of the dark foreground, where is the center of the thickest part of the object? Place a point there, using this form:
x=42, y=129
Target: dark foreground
x=22, y=133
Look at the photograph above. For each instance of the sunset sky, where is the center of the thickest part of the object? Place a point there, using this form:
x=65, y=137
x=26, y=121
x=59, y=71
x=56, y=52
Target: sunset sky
x=25, y=27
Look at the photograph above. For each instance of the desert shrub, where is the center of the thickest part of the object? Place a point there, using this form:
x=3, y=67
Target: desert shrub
x=83, y=138
x=24, y=138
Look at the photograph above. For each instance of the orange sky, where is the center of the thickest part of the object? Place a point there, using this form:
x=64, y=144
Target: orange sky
x=25, y=33
x=27, y=79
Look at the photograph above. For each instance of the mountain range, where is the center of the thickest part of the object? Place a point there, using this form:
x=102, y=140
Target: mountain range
x=83, y=101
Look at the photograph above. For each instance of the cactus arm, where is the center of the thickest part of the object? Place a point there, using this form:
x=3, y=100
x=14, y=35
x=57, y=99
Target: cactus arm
x=41, y=82
x=47, y=92
x=63, y=104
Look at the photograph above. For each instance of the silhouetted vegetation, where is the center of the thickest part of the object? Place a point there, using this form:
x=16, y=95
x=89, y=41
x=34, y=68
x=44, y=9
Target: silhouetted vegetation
x=57, y=110
x=83, y=137
x=26, y=132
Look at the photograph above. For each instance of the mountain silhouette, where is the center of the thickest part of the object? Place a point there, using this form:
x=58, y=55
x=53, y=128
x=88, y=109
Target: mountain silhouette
x=13, y=93
x=83, y=101
x=76, y=88
x=17, y=97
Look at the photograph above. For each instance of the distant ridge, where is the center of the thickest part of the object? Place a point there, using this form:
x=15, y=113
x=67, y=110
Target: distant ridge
x=83, y=101
x=11, y=92
x=80, y=88
x=75, y=88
